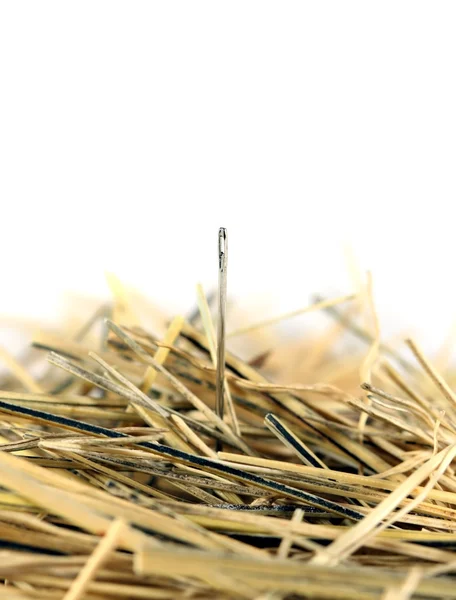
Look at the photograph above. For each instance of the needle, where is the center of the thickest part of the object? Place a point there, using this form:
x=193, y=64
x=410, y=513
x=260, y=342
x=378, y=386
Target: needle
x=223, y=259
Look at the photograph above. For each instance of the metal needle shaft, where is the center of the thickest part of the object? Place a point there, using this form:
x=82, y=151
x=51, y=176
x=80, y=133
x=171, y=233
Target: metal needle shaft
x=223, y=259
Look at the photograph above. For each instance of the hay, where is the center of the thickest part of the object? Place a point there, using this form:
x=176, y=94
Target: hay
x=331, y=474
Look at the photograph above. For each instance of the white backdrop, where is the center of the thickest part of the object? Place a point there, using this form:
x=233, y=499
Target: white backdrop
x=130, y=131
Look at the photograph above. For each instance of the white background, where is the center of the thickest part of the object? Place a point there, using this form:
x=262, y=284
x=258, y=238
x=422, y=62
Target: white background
x=130, y=131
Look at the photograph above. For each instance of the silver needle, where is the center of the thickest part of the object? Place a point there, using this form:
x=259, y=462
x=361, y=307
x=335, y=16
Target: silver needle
x=223, y=259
